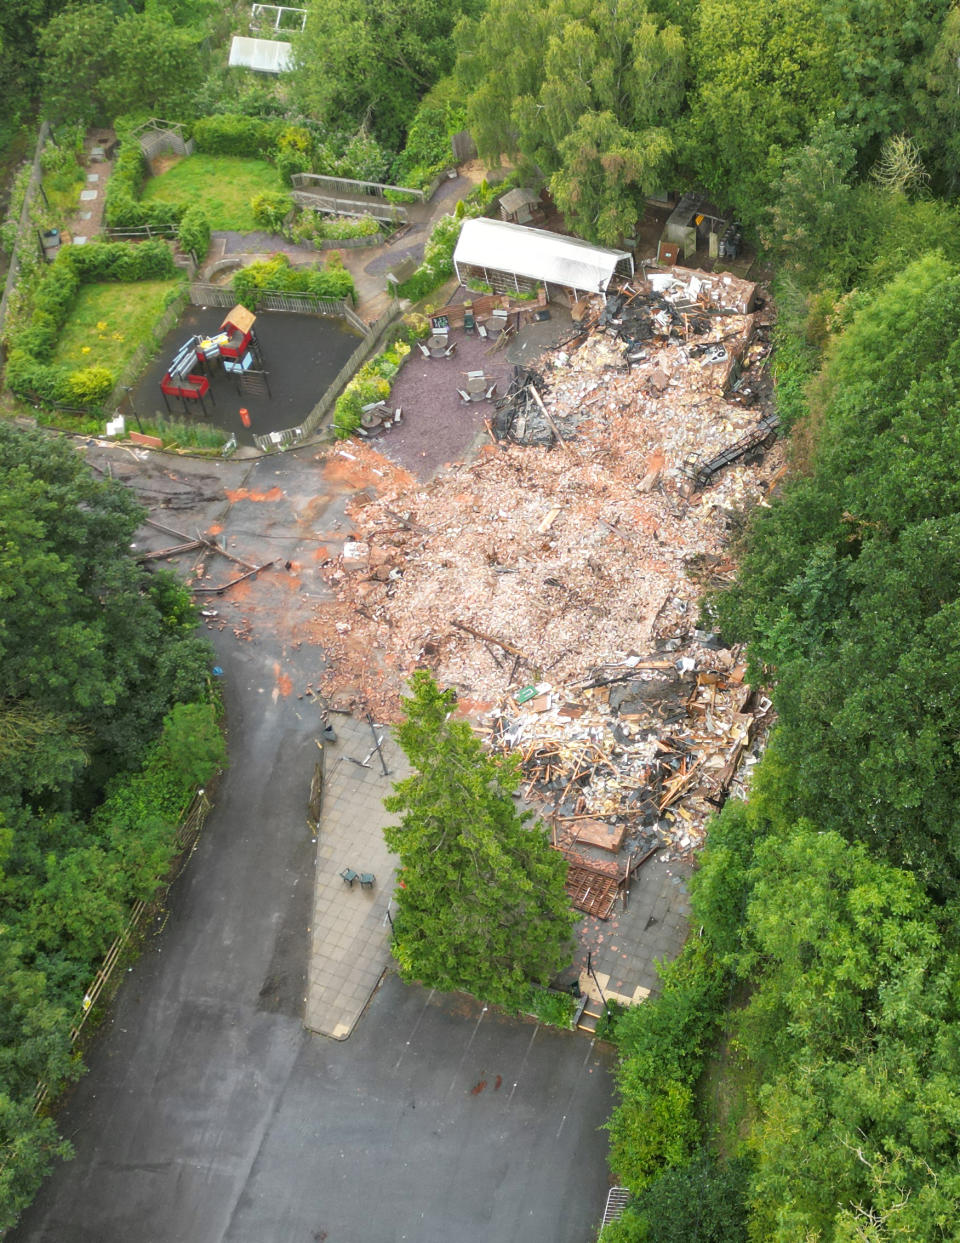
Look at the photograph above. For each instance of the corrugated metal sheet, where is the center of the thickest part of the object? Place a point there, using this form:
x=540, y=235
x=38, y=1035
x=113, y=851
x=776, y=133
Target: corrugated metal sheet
x=264, y=55
x=537, y=254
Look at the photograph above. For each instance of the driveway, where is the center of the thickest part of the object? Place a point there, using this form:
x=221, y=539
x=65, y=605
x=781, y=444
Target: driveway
x=209, y=1114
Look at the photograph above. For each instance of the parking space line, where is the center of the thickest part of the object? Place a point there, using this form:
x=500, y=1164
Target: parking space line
x=414, y=1032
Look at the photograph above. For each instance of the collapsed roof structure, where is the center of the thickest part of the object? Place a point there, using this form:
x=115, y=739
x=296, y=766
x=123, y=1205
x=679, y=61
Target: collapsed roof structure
x=556, y=580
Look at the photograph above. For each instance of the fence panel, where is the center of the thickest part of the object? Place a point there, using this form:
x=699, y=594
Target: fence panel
x=348, y=185
x=204, y=294
x=304, y=303
x=464, y=148
x=380, y=209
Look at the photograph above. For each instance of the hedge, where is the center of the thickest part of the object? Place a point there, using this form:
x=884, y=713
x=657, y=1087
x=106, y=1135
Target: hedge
x=29, y=370
x=122, y=208
x=231, y=134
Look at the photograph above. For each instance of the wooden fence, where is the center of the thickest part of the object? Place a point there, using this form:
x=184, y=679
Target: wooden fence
x=142, y=233
x=380, y=209
x=344, y=186
x=184, y=840
x=202, y=293
x=305, y=303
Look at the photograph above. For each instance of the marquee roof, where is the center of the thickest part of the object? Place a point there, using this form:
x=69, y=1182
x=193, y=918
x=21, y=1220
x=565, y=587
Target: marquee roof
x=537, y=254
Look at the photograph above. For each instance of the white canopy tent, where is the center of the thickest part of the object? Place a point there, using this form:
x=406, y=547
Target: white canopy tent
x=264, y=55
x=514, y=256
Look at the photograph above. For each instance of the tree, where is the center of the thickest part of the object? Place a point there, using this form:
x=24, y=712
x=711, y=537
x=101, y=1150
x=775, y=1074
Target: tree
x=812, y=202
x=481, y=896
x=584, y=92
x=74, y=46
x=366, y=63
x=606, y=171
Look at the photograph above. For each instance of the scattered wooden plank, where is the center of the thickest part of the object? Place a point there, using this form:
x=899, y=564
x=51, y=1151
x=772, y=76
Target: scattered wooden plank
x=492, y=638
x=217, y=591
x=551, y=516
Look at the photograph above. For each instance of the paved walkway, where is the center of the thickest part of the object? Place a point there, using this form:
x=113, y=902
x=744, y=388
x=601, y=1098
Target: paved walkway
x=350, y=936
x=625, y=948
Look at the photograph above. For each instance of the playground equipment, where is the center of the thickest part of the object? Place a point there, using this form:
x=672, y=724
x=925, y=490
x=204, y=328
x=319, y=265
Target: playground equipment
x=235, y=345
x=181, y=381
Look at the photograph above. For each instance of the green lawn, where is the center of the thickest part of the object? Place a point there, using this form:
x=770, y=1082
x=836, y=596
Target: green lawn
x=222, y=184
x=109, y=320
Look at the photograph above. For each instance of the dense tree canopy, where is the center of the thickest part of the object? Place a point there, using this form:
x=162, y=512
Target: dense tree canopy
x=96, y=660
x=368, y=62
x=583, y=92
x=850, y=590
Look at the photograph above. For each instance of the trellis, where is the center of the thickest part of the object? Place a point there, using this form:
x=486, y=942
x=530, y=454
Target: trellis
x=156, y=137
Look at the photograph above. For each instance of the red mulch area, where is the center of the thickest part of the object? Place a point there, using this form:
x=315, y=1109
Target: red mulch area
x=437, y=426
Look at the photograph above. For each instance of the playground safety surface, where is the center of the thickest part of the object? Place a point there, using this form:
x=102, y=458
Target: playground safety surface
x=301, y=353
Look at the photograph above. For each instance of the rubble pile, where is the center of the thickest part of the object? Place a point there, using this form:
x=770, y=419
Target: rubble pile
x=557, y=587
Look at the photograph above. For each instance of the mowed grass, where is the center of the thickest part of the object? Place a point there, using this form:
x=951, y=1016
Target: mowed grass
x=109, y=320
x=222, y=185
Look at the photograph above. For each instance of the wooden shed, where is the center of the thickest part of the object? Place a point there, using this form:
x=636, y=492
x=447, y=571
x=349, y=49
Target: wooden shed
x=520, y=206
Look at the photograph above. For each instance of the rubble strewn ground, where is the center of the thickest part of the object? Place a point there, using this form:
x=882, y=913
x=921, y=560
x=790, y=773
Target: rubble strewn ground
x=558, y=588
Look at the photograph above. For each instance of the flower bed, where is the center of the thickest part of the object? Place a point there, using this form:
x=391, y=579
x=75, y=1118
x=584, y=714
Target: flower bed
x=374, y=381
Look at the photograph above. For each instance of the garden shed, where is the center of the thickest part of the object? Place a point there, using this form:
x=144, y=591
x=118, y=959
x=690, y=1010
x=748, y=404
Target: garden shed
x=263, y=55
x=519, y=205
x=514, y=258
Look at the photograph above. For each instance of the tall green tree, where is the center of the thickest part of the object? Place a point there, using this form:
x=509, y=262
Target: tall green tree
x=585, y=93
x=361, y=62
x=481, y=897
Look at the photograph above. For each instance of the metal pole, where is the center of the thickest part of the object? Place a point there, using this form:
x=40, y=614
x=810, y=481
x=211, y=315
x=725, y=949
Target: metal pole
x=593, y=975
x=376, y=741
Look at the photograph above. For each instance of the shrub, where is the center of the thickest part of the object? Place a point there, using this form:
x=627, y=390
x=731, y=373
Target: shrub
x=275, y=274
x=294, y=152
x=89, y=385
x=556, y=1009
x=663, y=1044
x=193, y=233
x=271, y=209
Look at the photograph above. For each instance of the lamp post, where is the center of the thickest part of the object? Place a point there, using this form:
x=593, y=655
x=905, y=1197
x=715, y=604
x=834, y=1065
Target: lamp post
x=128, y=390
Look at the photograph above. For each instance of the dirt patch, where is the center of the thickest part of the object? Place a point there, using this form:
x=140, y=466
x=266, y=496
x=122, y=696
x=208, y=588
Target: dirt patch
x=359, y=466
x=245, y=494
x=282, y=680
x=163, y=163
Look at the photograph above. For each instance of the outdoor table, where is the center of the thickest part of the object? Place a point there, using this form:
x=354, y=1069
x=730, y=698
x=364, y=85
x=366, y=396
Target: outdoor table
x=476, y=385
x=437, y=346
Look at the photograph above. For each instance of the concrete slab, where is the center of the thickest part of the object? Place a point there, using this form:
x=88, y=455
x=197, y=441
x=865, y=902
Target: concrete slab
x=87, y=196
x=350, y=942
